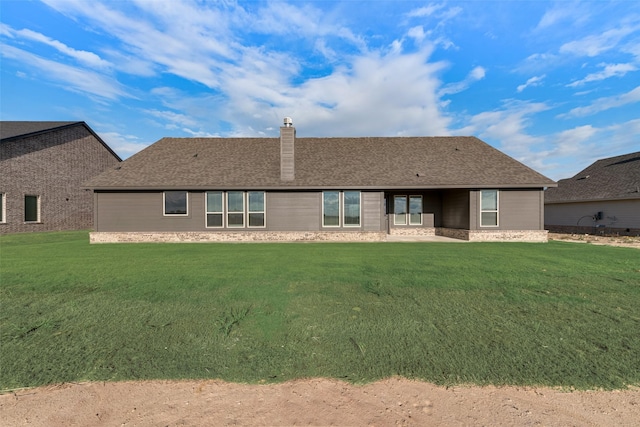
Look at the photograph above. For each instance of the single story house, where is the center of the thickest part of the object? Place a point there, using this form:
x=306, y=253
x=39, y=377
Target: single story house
x=44, y=165
x=298, y=189
x=603, y=198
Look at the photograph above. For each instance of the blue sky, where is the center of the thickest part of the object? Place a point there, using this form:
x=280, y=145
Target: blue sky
x=555, y=85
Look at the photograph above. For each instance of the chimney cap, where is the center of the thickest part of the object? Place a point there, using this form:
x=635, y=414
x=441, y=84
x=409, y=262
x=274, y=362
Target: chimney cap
x=288, y=122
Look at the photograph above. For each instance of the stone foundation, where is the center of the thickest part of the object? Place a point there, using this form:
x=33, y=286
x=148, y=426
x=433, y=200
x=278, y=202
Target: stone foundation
x=430, y=231
x=234, y=237
x=536, y=236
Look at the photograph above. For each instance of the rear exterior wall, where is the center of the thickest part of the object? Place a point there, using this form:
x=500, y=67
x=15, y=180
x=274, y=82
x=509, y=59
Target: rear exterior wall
x=285, y=211
x=52, y=166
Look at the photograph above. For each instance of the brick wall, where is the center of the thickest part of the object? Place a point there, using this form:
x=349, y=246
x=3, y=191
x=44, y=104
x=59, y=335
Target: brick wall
x=53, y=166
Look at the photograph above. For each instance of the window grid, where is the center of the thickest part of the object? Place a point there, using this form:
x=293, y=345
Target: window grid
x=489, y=207
x=235, y=209
x=341, y=209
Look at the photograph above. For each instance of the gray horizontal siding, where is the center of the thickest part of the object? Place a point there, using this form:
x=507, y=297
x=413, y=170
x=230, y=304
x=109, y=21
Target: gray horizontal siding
x=616, y=214
x=293, y=211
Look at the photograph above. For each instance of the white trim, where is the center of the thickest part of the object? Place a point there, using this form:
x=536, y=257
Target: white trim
x=406, y=204
x=243, y=211
x=409, y=208
x=263, y=211
x=164, y=204
x=207, y=212
x=339, y=210
x=496, y=210
x=3, y=210
x=343, y=217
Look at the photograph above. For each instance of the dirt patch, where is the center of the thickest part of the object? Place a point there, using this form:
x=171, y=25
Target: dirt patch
x=390, y=402
x=623, y=241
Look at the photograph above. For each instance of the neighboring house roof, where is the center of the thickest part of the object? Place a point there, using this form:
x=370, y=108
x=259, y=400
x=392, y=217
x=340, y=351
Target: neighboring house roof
x=14, y=130
x=614, y=178
x=366, y=162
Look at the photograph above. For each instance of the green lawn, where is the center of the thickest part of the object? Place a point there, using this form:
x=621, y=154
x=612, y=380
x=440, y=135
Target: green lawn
x=557, y=314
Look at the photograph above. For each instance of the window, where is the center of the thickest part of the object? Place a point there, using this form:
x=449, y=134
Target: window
x=3, y=212
x=341, y=209
x=214, y=209
x=241, y=209
x=351, y=208
x=175, y=203
x=235, y=209
x=331, y=209
x=400, y=210
x=407, y=209
x=415, y=210
x=256, y=208
x=31, y=208
x=489, y=208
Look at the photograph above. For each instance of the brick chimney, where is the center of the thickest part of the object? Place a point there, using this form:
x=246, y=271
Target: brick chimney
x=287, y=161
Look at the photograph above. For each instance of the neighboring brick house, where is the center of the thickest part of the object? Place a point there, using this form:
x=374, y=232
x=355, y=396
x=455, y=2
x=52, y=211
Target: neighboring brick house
x=290, y=188
x=603, y=198
x=43, y=166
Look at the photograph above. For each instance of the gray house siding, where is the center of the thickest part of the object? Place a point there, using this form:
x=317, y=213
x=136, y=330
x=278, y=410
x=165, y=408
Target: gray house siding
x=618, y=216
x=455, y=209
x=299, y=211
x=51, y=165
x=517, y=210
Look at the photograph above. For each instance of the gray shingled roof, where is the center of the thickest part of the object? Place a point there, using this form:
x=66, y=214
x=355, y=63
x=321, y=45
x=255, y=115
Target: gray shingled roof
x=367, y=162
x=614, y=178
x=16, y=129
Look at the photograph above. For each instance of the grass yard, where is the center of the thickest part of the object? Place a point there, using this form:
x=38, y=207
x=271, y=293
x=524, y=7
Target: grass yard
x=556, y=314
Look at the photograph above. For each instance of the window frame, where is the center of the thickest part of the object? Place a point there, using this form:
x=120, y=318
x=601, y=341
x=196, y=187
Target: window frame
x=263, y=211
x=246, y=210
x=409, y=208
x=344, y=208
x=395, y=206
x=38, y=209
x=235, y=212
x=164, y=204
x=496, y=210
x=3, y=208
x=324, y=224
x=208, y=212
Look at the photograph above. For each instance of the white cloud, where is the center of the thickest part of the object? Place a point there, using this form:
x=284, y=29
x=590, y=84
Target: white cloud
x=478, y=73
x=610, y=70
x=605, y=103
x=595, y=45
x=533, y=81
x=87, y=58
x=68, y=77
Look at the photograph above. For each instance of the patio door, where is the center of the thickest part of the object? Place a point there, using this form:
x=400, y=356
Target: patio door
x=407, y=210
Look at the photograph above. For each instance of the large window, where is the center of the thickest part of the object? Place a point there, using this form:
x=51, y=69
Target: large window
x=235, y=209
x=175, y=203
x=256, y=208
x=489, y=208
x=214, y=209
x=31, y=208
x=351, y=208
x=341, y=209
x=3, y=204
x=407, y=209
x=331, y=209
